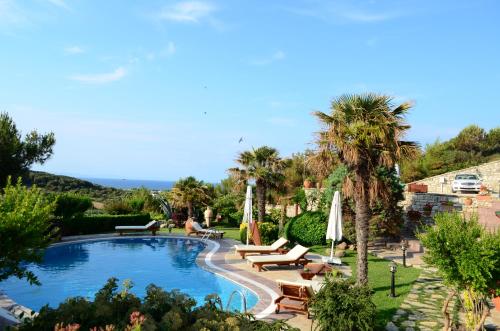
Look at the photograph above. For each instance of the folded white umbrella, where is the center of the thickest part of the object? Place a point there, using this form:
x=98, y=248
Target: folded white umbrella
x=398, y=171
x=334, y=230
x=247, y=211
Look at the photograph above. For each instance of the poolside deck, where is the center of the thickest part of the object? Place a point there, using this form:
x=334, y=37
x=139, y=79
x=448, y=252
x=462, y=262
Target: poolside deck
x=236, y=267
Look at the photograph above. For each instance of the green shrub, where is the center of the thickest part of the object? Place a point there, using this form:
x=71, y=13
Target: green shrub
x=100, y=224
x=340, y=305
x=24, y=229
x=268, y=232
x=467, y=258
x=118, y=207
x=159, y=310
x=307, y=229
x=71, y=204
x=136, y=204
x=235, y=218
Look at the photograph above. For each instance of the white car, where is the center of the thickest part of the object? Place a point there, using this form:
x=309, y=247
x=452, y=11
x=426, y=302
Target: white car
x=466, y=182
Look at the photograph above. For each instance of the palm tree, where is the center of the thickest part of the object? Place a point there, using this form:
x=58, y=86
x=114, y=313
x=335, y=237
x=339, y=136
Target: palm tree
x=187, y=193
x=263, y=165
x=365, y=131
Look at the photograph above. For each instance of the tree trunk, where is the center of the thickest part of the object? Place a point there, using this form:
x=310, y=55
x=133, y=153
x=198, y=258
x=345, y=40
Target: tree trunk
x=190, y=209
x=260, y=189
x=486, y=312
x=282, y=217
x=362, y=227
x=445, y=312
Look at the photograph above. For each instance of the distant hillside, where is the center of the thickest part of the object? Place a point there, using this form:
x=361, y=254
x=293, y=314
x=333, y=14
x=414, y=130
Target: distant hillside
x=58, y=184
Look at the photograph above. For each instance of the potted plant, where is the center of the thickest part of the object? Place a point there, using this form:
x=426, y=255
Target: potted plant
x=427, y=209
x=307, y=274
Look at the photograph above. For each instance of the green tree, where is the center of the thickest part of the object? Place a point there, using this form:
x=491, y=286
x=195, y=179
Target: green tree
x=24, y=229
x=189, y=192
x=16, y=154
x=468, y=259
x=265, y=166
x=365, y=131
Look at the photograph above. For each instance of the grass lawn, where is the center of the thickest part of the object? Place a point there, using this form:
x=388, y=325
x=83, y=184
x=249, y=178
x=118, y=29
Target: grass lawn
x=232, y=233
x=379, y=278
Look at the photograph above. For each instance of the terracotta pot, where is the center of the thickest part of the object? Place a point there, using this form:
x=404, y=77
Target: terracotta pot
x=467, y=201
x=496, y=302
x=308, y=184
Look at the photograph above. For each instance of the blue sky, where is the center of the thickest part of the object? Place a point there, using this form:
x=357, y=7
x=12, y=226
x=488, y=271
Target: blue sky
x=165, y=89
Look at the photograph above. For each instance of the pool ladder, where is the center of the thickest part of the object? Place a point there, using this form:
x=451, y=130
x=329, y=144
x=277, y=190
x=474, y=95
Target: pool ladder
x=243, y=298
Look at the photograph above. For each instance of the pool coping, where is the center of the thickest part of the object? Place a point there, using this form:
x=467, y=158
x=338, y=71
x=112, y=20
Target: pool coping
x=212, y=259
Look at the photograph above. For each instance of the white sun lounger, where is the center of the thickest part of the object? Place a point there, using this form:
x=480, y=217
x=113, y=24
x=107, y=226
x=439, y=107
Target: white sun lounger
x=151, y=226
x=295, y=256
x=276, y=247
x=207, y=233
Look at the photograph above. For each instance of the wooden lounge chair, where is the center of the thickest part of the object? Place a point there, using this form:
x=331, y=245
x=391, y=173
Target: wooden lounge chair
x=152, y=226
x=298, y=291
x=193, y=227
x=276, y=247
x=295, y=256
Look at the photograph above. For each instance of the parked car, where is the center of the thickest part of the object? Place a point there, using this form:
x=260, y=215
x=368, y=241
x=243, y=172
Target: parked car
x=466, y=182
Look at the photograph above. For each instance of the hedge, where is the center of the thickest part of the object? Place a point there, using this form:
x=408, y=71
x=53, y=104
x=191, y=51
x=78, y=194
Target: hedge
x=101, y=223
x=307, y=229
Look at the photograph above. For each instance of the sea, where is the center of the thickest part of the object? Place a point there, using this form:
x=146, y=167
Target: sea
x=126, y=184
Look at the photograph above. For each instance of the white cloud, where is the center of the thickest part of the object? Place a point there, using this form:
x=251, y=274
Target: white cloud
x=187, y=12
x=276, y=56
x=344, y=11
x=104, y=78
x=10, y=13
x=59, y=3
x=73, y=50
x=367, y=17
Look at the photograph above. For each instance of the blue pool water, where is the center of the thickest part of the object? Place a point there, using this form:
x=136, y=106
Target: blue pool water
x=81, y=269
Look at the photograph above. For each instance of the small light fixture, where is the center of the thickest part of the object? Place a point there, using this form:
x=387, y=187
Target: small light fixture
x=404, y=248
x=393, y=268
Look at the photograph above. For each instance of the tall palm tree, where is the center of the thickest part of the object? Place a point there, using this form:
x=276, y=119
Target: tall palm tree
x=263, y=165
x=187, y=193
x=365, y=132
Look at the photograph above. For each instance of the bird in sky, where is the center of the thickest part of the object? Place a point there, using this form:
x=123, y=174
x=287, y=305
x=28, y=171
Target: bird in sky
x=239, y=141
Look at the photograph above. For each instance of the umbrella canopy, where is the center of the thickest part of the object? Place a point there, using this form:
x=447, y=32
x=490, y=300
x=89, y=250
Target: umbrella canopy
x=247, y=211
x=398, y=172
x=334, y=230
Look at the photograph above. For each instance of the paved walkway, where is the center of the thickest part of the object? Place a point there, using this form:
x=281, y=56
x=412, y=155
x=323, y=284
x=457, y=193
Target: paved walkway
x=421, y=309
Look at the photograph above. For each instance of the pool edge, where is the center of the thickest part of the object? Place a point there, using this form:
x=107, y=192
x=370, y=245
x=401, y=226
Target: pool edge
x=205, y=259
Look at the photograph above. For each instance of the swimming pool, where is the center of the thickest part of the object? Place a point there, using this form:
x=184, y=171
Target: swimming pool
x=82, y=268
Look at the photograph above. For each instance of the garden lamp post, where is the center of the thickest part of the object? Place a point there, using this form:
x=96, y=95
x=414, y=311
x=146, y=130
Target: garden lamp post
x=404, y=248
x=393, y=267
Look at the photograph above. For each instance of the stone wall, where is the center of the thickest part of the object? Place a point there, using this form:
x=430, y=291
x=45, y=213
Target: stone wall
x=417, y=201
x=488, y=172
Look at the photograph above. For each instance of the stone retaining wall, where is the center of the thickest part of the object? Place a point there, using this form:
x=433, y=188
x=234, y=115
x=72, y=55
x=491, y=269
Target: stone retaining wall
x=489, y=173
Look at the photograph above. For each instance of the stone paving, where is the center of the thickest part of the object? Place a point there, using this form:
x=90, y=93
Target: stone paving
x=421, y=309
